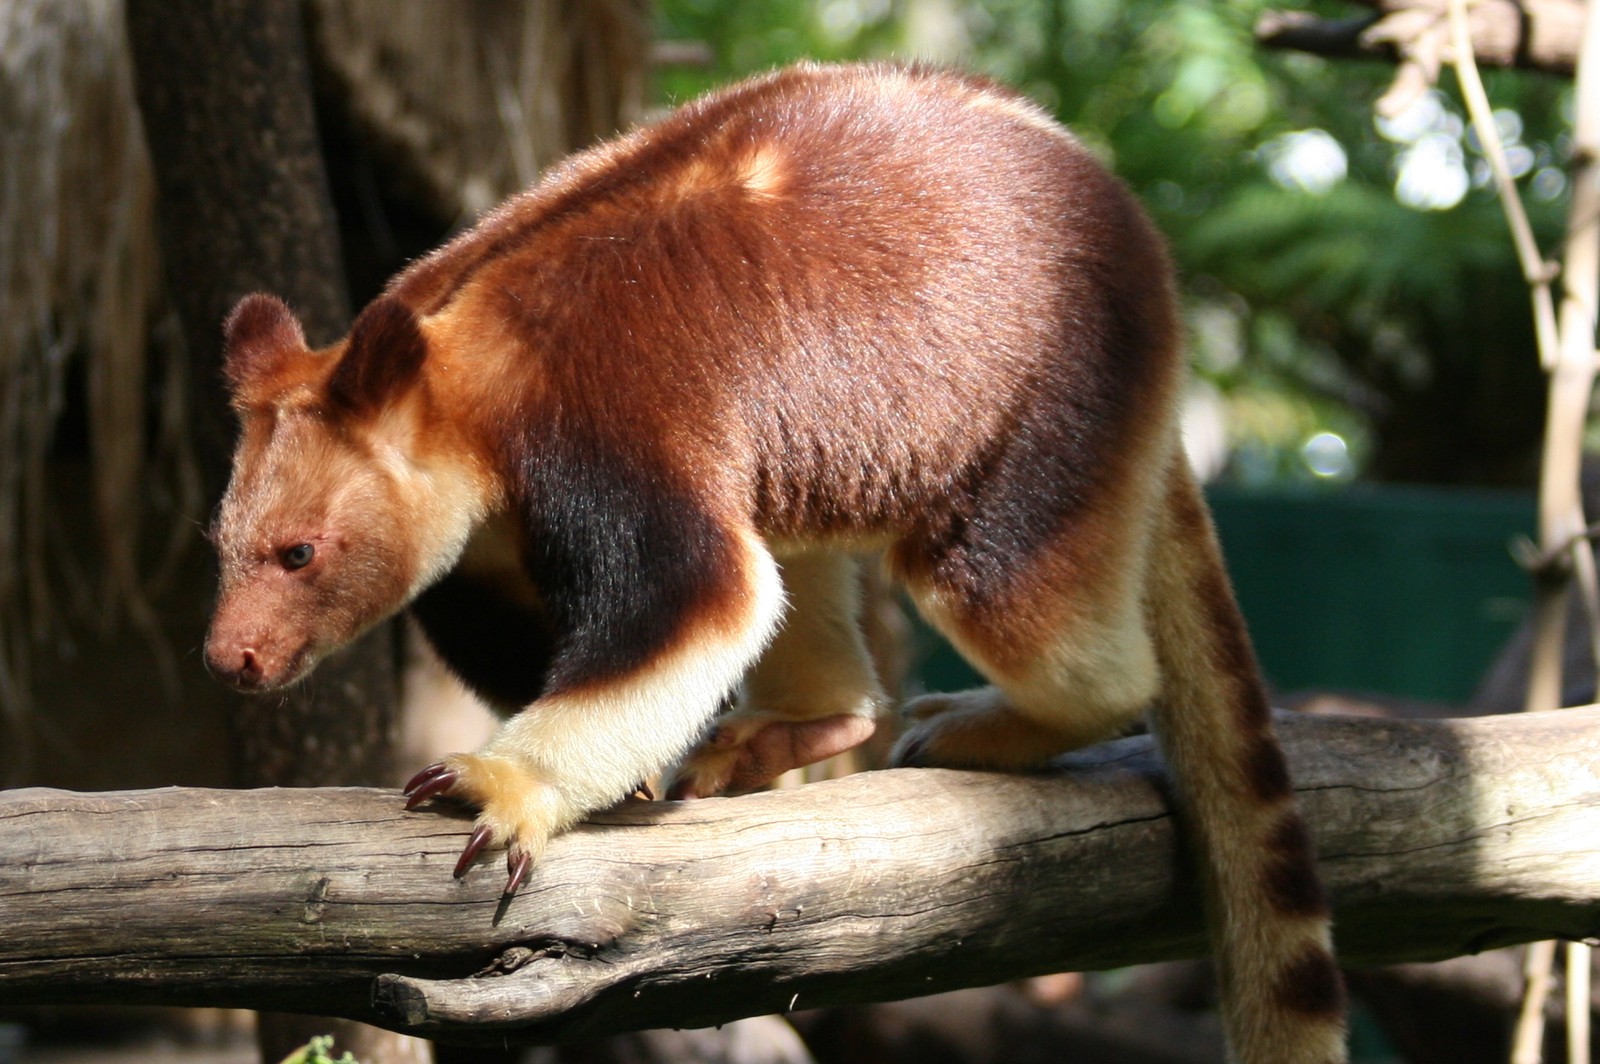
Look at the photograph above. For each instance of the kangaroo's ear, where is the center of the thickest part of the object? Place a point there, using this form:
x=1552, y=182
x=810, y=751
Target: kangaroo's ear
x=383, y=358
x=260, y=337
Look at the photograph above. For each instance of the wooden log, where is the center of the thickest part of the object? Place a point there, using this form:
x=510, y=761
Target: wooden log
x=1437, y=838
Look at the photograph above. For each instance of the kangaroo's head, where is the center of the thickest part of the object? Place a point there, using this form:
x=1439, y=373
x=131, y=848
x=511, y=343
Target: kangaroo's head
x=342, y=506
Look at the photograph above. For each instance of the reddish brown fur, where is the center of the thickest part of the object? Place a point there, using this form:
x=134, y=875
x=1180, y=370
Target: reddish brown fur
x=829, y=309
x=757, y=381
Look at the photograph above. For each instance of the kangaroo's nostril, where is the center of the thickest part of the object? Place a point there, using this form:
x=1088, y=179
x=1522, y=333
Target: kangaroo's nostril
x=250, y=666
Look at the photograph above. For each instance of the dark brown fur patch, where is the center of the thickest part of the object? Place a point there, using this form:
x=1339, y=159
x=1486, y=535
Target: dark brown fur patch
x=499, y=648
x=1290, y=874
x=1230, y=646
x=1231, y=650
x=1266, y=770
x=259, y=333
x=628, y=563
x=384, y=356
x=1312, y=985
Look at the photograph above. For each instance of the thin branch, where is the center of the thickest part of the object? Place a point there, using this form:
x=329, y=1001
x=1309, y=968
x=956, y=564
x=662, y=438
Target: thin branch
x=1527, y=1042
x=1578, y=970
x=1528, y=34
x=1561, y=519
x=1302, y=31
x=1536, y=270
x=1567, y=354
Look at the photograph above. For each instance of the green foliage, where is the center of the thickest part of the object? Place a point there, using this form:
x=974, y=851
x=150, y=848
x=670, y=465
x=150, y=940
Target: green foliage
x=1353, y=307
x=746, y=38
x=317, y=1051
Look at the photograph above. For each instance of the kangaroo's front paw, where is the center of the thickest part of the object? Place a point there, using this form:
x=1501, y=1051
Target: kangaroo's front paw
x=517, y=808
x=750, y=749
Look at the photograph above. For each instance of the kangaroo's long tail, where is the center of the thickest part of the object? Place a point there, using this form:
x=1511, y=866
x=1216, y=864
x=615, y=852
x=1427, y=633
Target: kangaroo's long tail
x=1283, y=997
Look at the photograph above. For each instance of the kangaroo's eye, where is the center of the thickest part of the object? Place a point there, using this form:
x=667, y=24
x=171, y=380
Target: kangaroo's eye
x=298, y=556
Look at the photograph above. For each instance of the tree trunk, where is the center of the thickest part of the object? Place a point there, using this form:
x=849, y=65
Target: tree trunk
x=225, y=91
x=224, y=87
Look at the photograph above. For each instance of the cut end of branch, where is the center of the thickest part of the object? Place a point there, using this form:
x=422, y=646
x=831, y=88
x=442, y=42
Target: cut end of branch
x=401, y=999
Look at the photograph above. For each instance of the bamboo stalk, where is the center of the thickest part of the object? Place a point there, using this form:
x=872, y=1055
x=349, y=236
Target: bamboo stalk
x=1536, y=270
x=1577, y=1003
x=1527, y=1040
x=1572, y=377
x=1567, y=353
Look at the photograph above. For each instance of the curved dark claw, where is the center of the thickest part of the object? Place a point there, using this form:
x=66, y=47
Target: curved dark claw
x=517, y=863
x=431, y=781
x=475, y=845
x=424, y=776
x=913, y=756
x=644, y=791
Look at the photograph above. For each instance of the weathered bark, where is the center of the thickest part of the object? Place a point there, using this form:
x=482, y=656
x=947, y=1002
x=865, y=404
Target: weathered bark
x=224, y=88
x=463, y=104
x=1437, y=838
x=1531, y=34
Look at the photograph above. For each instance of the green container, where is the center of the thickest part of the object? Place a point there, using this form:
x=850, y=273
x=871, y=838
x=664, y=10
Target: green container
x=1406, y=591
x=1397, y=590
